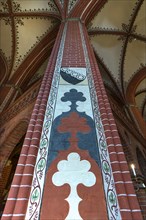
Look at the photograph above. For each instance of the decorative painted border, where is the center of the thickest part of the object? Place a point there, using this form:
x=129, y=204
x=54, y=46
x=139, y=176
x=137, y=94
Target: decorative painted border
x=34, y=203
x=108, y=180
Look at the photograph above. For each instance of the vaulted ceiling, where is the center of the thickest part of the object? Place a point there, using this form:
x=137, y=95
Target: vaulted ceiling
x=118, y=36
x=117, y=31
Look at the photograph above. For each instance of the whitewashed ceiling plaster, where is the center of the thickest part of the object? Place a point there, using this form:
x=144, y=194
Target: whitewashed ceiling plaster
x=118, y=36
x=24, y=25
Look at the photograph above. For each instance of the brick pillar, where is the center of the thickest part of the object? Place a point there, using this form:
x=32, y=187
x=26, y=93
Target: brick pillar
x=77, y=77
x=19, y=193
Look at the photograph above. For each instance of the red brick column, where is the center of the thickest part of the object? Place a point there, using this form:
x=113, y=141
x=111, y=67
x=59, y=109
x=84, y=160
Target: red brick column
x=128, y=203
x=73, y=55
x=19, y=193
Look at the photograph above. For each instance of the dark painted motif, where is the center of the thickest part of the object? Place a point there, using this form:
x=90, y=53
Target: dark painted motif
x=59, y=140
x=72, y=76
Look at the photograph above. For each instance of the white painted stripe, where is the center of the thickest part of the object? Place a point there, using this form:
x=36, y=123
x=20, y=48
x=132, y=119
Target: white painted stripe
x=109, y=138
x=126, y=194
x=21, y=186
x=111, y=145
x=113, y=162
x=116, y=152
x=121, y=172
x=19, y=199
x=6, y=215
x=25, y=174
x=108, y=124
x=35, y=146
x=34, y=138
x=109, y=130
x=20, y=164
x=126, y=182
x=29, y=155
x=37, y=131
x=114, y=138
x=121, y=195
x=128, y=210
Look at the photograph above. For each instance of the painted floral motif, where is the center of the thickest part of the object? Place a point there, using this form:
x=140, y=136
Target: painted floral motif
x=74, y=171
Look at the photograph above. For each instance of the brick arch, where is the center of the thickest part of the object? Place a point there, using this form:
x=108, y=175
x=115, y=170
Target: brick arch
x=130, y=96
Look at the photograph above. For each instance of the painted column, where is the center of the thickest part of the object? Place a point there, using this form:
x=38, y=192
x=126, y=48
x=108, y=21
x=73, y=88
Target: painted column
x=73, y=166
x=68, y=167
